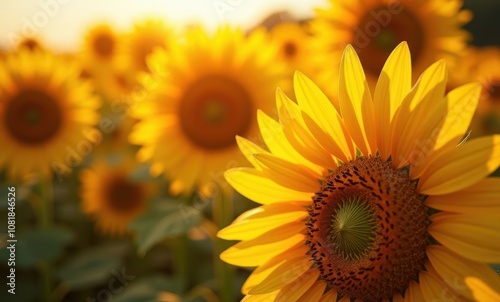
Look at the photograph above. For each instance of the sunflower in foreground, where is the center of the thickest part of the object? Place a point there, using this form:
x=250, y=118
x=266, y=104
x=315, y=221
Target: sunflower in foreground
x=377, y=202
x=111, y=196
x=432, y=29
x=200, y=95
x=46, y=112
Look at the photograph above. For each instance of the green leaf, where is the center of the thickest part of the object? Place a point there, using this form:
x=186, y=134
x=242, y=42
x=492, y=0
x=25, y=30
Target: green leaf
x=147, y=289
x=91, y=267
x=39, y=245
x=165, y=219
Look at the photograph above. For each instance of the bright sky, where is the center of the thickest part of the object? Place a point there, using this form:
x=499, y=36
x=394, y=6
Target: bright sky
x=61, y=23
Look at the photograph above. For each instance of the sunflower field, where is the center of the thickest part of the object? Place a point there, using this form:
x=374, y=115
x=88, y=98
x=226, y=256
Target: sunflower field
x=232, y=150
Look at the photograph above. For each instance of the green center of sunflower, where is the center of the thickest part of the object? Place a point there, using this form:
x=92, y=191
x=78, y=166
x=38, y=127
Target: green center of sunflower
x=352, y=228
x=213, y=110
x=367, y=230
x=386, y=40
x=381, y=29
x=123, y=195
x=32, y=117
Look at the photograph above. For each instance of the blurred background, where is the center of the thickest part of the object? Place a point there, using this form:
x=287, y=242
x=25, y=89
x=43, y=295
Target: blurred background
x=128, y=215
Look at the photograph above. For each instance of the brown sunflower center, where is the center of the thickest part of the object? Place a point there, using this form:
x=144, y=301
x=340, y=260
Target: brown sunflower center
x=32, y=117
x=30, y=44
x=214, y=110
x=289, y=49
x=493, y=91
x=104, y=46
x=367, y=230
x=124, y=196
x=381, y=30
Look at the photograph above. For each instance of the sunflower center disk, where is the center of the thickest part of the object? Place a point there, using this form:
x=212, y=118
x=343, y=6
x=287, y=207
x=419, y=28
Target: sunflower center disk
x=124, y=196
x=367, y=230
x=381, y=30
x=494, y=91
x=213, y=111
x=32, y=117
x=104, y=45
x=290, y=49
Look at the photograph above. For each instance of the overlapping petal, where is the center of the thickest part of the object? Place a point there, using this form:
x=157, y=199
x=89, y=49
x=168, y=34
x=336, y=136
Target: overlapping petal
x=356, y=103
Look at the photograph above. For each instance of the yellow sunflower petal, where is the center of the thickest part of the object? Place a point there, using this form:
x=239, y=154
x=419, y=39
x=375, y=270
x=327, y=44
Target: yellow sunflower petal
x=294, y=176
x=313, y=294
x=329, y=296
x=433, y=288
x=481, y=291
x=287, y=272
x=257, y=251
x=255, y=186
x=298, y=135
x=430, y=88
x=397, y=298
x=413, y=292
x=248, y=148
x=447, y=127
x=473, y=237
x=261, y=298
x=393, y=85
x=316, y=105
x=461, y=167
x=345, y=299
x=261, y=272
x=293, y=291
x=261, y=220
x=454, y=270
x=356, y=103
x=275, y=139
x=479, y=199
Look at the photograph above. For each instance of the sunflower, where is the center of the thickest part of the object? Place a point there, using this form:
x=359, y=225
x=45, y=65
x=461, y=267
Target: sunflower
x=199, y=95
x=487, y=72
x=292, y=40
x=374, y=27
x=144, y=38
x=101, y=45
x=30, y=43
x=111, y=196
x=377, y=202
x=46, y=114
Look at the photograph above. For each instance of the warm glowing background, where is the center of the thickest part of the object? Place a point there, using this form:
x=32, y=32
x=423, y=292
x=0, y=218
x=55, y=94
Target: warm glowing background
x=65, y=28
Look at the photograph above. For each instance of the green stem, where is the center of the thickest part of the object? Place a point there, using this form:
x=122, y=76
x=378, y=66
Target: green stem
x=181, y=262
x=45, y=211
x=223, y=216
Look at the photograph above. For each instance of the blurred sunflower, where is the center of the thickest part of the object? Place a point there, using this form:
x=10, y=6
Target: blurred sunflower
x=30, y=43
x=374, y=27
x=101, y=45
x=200, y=95
x=487, y=72
x=381, y=203
x=110, y=195
x=44, y=110
x=293, y=42
x=144, y=38
x=119, y=82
